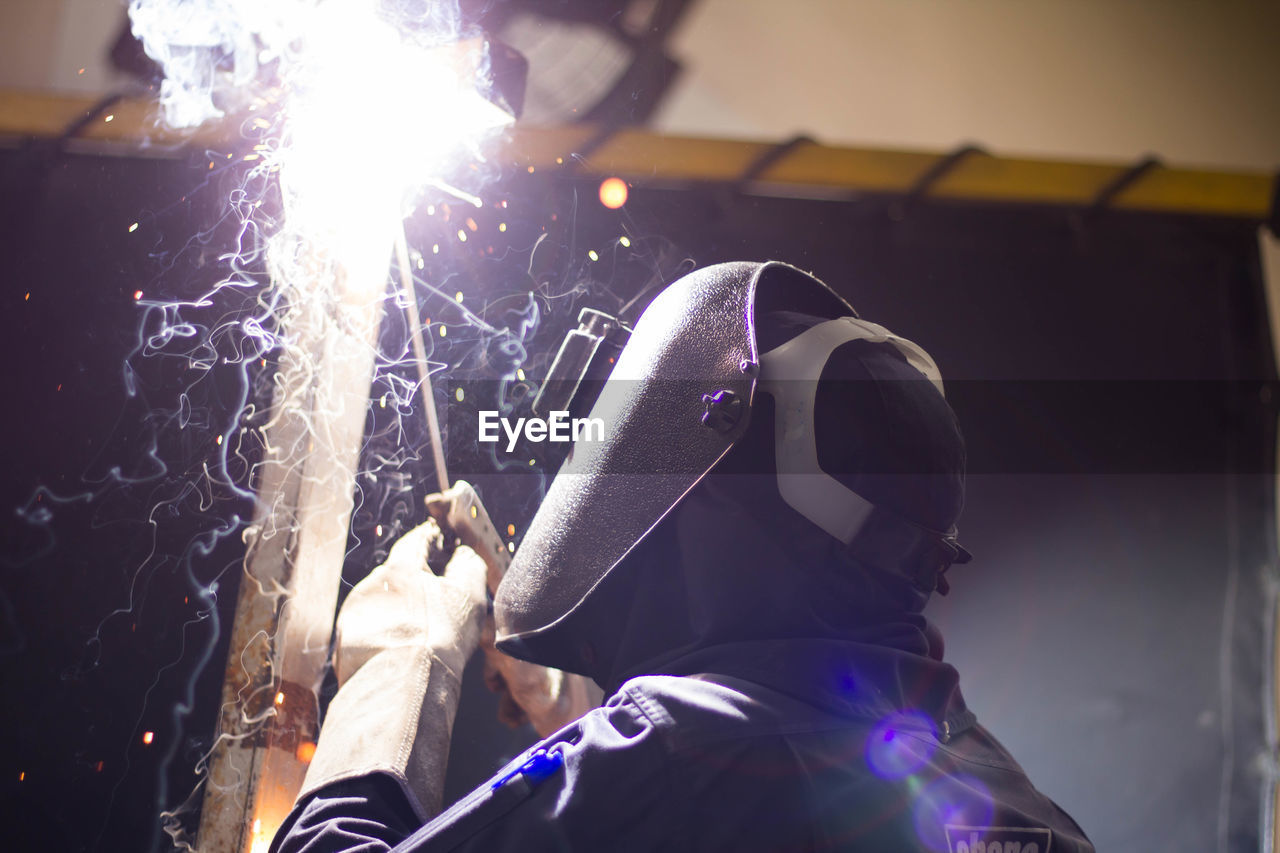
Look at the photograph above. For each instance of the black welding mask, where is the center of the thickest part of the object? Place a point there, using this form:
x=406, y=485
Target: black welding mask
x=680, y=396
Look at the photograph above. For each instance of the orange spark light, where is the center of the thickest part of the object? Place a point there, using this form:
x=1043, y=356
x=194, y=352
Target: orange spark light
x=306, y=751
x=613, y=193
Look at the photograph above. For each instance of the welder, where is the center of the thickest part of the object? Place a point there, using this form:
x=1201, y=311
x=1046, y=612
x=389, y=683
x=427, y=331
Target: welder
x=741, y=562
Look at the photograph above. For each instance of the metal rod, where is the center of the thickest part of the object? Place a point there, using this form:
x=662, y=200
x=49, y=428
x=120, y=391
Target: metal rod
x=295, y=552
x=420, y=355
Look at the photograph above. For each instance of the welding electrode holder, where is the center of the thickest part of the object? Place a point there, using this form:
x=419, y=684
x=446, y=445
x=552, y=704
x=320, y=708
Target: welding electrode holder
x=463, y=519
x=547, y=698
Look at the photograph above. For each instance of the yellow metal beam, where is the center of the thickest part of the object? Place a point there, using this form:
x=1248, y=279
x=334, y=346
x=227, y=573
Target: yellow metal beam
x=642, y=156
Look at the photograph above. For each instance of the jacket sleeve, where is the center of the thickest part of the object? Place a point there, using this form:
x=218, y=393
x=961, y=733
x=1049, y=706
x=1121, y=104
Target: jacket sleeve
x=608, y=785
x=369, y=814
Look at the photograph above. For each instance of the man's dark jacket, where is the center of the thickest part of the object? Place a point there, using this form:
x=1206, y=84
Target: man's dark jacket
x=777, y=745
x=777, y=692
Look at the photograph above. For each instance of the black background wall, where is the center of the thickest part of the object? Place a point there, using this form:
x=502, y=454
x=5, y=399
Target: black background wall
x=1113, y=375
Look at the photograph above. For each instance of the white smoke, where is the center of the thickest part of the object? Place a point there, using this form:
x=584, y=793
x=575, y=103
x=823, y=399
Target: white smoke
x=208, y=50
x=218, y=55
x=355, y=104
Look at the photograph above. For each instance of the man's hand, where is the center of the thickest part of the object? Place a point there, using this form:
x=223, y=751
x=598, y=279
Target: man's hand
x=404, y=636
x=543, y=696
x=402, y=603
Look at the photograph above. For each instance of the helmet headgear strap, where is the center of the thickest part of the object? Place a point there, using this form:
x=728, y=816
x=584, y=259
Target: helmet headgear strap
x=876, y=536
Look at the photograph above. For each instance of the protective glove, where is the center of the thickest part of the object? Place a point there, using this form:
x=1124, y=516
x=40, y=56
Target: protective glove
x=527, y=692
x=403, y=637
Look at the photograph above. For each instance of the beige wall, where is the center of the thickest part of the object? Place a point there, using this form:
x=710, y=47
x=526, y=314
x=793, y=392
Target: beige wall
x=45, y=43
x=1196, y=81
x=27, y=30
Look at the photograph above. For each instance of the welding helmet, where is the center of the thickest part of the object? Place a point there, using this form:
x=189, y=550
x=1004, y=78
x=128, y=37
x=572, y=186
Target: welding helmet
x=680, y=396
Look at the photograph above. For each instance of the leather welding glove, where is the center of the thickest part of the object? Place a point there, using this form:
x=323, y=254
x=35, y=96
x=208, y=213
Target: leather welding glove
x=403, y=638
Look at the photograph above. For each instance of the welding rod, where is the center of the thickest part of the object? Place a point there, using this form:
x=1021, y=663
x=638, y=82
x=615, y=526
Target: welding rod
x=420, y=354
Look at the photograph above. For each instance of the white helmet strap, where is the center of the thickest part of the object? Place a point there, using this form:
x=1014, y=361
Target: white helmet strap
x=790, y=373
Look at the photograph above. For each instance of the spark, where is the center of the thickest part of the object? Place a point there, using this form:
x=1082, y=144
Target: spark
x=134, y=226
x=458, y=395
x=377, y=531
x=462, y=236
x=261, y=840
x=137, y=294
x=625, y=241
x=148, y=737
x=511, y=530
x=502, y=226
x=280, y=698
x=520, y=373
x=306, y=751
x=613, y=193
x=340, y=69
x=443, y=330
x=111, y=117
x=473, y=200
x=592, y=255
x=458, y=296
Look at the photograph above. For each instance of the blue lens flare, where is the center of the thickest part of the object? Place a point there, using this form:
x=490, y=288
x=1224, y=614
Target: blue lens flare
x=955, y=801
x=901, y=744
